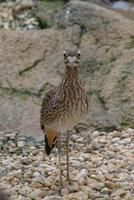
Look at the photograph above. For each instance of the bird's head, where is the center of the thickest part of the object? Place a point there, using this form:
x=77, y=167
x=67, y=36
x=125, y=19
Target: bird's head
x=72, y=58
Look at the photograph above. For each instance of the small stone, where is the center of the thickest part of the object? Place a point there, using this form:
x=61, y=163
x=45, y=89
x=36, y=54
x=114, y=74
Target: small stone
x=125, y=141
x=5, y=186
x=37, y=193
x=81, y=159
x=115, y=134
x=109, y=184
x=97, y=178
x=25, y=190
x=100, y=199
x=21, y=138
x=96, y=186
x=125, y=135
x=115, y=140
x=111, y=167
x=97, y=146
x=11, y=136
x=129, y=196
x=118, y=193
x=52, y=198
x=82, y=174
x=30, y=141
x=46, y=198
x=17, y=165
x=64, y=191
x=12, y=150
x=43, y=181
x=79, y=196
x=106, y=190
x=74, y=137
x=47, y=167
x=36, y=174
x=76, y=164
x=123, y=176
x=21, y=144
x=80, y=140
x=55, y=198
x=74, y=187
x=130, y=130
x=12, y=144
x=95, y=134
x=22, y=198
x=26, y=161
x=103, y=140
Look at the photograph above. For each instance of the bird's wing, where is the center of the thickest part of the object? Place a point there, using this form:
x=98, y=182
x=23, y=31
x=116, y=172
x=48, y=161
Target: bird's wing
x=44, y=106
x=50, y=104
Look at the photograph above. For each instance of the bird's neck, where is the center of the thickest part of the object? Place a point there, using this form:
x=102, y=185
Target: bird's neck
x=72, y=74
x=71, y=84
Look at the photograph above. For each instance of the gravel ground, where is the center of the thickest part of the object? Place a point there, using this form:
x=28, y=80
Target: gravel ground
x=101, y=167
x=19, y=15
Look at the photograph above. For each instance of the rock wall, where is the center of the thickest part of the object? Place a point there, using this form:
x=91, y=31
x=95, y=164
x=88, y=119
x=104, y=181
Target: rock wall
x=32, y=62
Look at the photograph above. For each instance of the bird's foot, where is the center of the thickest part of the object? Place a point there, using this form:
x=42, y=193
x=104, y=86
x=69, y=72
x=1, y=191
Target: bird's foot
x=65, y=189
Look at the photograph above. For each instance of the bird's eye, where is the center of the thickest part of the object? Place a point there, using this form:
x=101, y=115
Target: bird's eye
x=79, y=54
x=64, y=54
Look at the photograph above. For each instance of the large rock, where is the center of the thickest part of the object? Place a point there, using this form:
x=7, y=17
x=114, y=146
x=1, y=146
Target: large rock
x=32, y=62
x=107, y=42
x=29, y=63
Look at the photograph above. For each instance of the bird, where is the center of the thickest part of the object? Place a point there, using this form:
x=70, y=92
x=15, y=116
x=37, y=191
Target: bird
x=64, y=106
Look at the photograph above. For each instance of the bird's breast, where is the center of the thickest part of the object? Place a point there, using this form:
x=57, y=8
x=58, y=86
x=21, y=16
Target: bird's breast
x=71, y=113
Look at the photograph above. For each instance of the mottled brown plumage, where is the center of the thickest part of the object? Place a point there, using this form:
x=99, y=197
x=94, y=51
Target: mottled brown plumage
x=65, y=105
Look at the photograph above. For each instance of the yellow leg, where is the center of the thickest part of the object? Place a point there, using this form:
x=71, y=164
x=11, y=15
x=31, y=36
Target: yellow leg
x=67, y=155
x=59, y=158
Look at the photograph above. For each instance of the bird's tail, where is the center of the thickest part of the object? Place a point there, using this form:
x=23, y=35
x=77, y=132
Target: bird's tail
x=50, y=139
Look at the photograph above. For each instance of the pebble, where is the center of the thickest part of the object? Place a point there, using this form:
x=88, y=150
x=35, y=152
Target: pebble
x=102, y=173
x=115, y=140
x=21, y=143
x=26, y=160
x=26, y=20
x=37, y=193
x=36, y=174
x=17, y=165
x=95, y=134
x=10, y=136
x=75, y=187
x=82, y=174
x=47, y=167
x=21, y=198
x=118, y=193
x=74, y=137
x=130, y=130
x=25, y=190
x=43, y=181
x=5, y=186
x=109, y=184
x=12, y=149
x=106, y=190
x=96, y=186
x=76, y=164
x=79, y=196
x=52, y=198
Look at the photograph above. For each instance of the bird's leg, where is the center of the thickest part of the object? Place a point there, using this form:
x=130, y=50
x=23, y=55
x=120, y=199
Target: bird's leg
x=59, y=158
x=44, y=154
x=67, y=155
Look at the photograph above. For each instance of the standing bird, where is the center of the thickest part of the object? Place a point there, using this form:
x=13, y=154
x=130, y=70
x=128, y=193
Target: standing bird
x=64, y=106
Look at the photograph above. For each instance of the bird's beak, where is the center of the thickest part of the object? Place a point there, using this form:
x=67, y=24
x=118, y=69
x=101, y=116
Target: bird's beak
x=71, y=60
